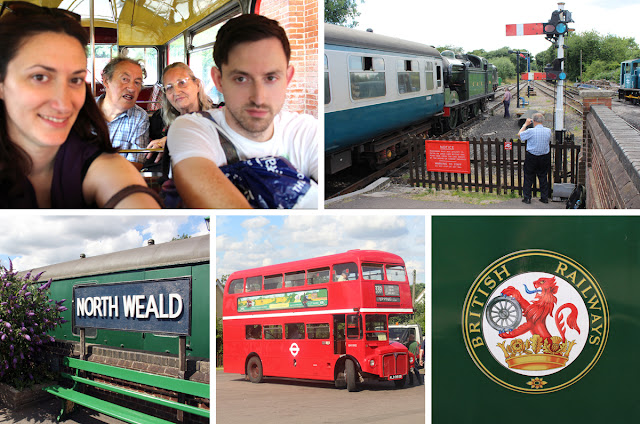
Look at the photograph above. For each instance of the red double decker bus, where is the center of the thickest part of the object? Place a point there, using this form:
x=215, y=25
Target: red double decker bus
x=324, y=318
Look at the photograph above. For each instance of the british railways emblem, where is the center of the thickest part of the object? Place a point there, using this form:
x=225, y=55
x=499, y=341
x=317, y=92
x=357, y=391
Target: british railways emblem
x=531, y=314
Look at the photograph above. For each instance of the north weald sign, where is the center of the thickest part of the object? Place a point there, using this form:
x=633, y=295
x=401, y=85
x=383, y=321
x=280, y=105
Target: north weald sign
x=150, y=306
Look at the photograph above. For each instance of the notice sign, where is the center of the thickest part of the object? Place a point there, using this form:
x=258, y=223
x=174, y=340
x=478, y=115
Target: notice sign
x=448, y=156
x=269, y=302
x=151, y=306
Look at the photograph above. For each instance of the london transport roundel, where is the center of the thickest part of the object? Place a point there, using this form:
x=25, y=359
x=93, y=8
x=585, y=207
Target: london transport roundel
x=535, y=321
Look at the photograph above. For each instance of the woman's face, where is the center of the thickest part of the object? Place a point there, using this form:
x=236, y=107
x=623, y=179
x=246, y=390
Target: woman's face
x=44, y=90
x=183, y=90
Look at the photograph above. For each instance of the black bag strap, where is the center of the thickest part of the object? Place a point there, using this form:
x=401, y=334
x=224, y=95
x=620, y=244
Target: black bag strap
x=229, y=149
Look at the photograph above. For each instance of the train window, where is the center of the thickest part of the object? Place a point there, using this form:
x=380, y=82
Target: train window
x=327, y=88
x=294, y=279
x=176, y=51
x=253, y=332
x=272, y=332
x=372, y=272
x=368, y=80
x=148, y=56
x=439, y=75
x=318, y=331
x=319, y=275
x=345, y=272
x=429, y=75
x=273, y=282
x=236, y=286
x=294, y=331
x=408, y=76
x=254, y=284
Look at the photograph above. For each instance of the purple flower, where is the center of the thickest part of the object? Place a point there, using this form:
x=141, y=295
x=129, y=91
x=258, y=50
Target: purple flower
x=37, y=277
x=7, y=325
x=26, y=336
x=27, y=294
x=45, y=286
x=62, y=308
x=3, y=337
x=27, y=275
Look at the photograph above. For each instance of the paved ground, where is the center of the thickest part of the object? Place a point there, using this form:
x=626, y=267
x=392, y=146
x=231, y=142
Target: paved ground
x=46, y=412
x=281, y=401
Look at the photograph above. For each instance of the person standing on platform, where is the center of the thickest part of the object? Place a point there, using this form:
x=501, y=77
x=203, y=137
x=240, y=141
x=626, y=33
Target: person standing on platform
x=506, y=100
x=537, y=159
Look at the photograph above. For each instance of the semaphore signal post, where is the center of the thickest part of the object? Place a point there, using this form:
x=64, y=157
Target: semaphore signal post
x=555, y=30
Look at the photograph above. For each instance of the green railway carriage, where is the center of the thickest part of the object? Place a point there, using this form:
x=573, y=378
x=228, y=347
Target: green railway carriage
x=179, y=258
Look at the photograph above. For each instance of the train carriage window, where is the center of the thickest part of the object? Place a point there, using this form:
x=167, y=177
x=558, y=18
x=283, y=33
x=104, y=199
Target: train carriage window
x=408, y=76
x=367, y=77
x=273, y=282
x=272, y=332
x=236, y=286
x=327, y=87
x=429, y=75
x=253, y=332
x=148, y=56
x=294, y=331
x=254, y=284
x=319, y=275
x=318, y=331
x=372, y=272
x=345, y=272
x=294, y=279
x=439, y=75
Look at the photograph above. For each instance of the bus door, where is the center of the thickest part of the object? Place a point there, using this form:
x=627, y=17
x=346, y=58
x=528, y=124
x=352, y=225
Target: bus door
x=339, y=339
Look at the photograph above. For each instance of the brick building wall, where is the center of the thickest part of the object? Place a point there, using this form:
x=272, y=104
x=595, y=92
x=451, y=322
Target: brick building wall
x=299, y=18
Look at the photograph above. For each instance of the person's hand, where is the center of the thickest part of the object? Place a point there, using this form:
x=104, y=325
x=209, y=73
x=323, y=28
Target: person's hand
x=527, y=122
x=157, y=144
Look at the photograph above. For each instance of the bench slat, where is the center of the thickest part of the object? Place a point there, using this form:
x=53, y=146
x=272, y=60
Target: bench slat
x=113, y=410
x=140, y=395
x=193, y=388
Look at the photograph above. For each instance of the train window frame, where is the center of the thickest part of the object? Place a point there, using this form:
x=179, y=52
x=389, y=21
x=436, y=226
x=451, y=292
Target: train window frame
x=327, y=82
x=429, y=72
x=408, y=74
x=439, y=75
x=370, y=70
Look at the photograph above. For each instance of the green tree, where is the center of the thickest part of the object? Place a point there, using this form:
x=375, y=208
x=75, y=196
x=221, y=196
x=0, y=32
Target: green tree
x=506, y=69
x=341, y=12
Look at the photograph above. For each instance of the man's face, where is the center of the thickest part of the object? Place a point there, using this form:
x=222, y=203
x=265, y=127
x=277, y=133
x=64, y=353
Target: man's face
x=254, y=83
x=124, y=87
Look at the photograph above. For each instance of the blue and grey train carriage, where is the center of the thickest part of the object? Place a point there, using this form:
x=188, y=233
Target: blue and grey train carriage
x=630, y=81
x=375, y=85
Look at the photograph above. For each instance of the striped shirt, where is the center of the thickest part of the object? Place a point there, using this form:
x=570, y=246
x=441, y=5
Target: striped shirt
x=130, y=130
x=538, y=139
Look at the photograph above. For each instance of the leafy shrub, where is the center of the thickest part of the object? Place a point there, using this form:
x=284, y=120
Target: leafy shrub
x=26, y=315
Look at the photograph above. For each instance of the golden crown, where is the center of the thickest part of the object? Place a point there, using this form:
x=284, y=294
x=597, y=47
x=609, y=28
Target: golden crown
x=536, y=353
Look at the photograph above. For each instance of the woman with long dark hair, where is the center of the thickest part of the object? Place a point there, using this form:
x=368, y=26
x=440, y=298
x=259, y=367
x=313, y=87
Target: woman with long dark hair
x=55, y=150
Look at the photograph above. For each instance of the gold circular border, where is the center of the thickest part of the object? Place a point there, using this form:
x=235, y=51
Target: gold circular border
x=517, y=255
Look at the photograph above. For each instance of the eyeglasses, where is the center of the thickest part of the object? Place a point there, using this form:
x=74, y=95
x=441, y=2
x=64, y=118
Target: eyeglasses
x=181, y=83
x=22, y=8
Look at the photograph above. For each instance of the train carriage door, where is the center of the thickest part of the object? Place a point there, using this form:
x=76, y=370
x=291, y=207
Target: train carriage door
x=339, y=336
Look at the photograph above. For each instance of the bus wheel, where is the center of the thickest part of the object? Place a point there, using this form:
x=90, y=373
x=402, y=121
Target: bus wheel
x=254, y=370
x=400, y=383
x=350, y=371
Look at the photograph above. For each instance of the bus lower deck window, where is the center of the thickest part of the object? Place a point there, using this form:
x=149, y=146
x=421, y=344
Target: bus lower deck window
x=272, y=332
x=294, y=331
x=253, y=332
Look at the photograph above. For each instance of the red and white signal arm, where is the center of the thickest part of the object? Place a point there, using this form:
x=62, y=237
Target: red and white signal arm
x=525, y=29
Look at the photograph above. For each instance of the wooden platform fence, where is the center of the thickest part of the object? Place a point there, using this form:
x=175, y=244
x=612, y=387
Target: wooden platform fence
x=494, y=169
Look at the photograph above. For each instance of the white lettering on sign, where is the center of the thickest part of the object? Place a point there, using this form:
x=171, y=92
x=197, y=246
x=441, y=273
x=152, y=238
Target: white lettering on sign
x=136, y=306
x=294, y=349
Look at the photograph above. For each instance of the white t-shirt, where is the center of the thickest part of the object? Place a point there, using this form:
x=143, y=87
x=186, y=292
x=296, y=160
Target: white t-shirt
x=295, y=137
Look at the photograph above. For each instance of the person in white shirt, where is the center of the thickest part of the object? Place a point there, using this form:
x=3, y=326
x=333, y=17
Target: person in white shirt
x=252, y=71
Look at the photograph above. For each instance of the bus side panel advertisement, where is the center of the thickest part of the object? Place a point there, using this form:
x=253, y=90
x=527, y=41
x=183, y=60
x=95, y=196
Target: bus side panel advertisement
x=269, y=302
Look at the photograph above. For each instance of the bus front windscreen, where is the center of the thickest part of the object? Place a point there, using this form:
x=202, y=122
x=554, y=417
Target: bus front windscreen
x=376, y=327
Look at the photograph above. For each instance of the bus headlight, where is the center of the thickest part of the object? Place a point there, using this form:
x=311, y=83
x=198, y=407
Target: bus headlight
x=372, y=363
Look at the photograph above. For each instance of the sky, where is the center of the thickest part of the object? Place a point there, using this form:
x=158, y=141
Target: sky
x=248, y=242
x=32, y=241
x=473, y=24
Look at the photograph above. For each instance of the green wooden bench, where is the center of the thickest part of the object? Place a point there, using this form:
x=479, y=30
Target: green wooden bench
x=73, y=395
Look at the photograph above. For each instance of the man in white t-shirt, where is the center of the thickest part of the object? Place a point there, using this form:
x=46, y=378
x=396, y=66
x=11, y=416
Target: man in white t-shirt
x=252, y=72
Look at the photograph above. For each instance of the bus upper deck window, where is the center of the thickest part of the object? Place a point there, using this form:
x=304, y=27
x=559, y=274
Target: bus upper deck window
x=294, y=279
x=254, y=284
x=372, y=272
x=345, y=272
x=273, y=282
x=396, y=273
x=236, y=286
x=319, y=275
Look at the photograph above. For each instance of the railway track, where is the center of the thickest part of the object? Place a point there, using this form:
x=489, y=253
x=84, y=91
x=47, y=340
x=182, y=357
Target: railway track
x=571, y=97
